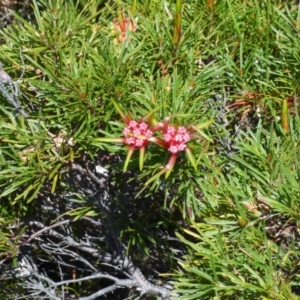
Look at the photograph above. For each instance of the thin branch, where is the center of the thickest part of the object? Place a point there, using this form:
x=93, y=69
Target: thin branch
x=71, y=242
x=118, y=282
x=57, y=250
x=45, y=228
x=102, y=292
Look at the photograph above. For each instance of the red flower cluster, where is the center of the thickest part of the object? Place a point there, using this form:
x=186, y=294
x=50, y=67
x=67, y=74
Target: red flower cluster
x=137, y=135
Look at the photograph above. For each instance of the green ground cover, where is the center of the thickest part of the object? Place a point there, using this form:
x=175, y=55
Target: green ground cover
x=217, y=220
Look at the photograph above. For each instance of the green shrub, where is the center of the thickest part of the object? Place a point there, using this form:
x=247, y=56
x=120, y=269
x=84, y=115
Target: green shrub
x=228, y=72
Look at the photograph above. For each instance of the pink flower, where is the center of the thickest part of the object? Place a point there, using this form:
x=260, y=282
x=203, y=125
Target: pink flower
x=176, y=139
x=137, y=134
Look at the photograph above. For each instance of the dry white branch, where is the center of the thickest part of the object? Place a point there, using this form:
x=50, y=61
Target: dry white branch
x=136, y=278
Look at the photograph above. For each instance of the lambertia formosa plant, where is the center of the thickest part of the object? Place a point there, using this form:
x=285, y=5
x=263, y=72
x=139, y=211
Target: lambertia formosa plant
x=174, y=139
x=205, y=202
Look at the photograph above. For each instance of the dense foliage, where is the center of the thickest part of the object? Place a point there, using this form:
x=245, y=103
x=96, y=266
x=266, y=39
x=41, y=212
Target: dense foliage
x=217, y=218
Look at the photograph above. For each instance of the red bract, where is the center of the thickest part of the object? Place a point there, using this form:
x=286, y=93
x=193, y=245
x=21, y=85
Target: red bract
x=122, y=25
